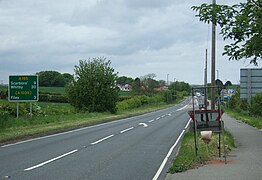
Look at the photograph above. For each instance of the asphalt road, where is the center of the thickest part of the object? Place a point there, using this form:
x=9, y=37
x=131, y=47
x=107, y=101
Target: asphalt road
x=132, y=148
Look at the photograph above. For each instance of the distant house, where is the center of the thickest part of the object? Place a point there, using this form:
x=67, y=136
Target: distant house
x=162, y=88
x=126, y=87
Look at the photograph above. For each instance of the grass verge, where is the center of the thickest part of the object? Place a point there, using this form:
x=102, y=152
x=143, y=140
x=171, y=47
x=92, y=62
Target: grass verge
x=186, y=159
x=246, y=118
x=24, y=127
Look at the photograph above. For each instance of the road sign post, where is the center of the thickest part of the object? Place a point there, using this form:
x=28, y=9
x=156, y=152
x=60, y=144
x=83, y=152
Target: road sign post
x=23, y=88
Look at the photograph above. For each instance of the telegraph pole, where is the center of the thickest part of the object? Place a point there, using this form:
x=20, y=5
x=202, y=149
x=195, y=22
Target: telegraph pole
x=205, y=82
x=213, y=60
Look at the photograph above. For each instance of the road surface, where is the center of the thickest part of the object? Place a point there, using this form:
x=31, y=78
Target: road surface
x=131, y=149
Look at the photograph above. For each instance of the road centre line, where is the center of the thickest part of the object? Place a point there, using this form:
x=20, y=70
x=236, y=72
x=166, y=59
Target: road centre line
x=168, y=154
x=158, y=118
x=100, y=140
x=67, y=132
x=182, y=108
x=51, y=160
x=151, y=121
x=125, y=130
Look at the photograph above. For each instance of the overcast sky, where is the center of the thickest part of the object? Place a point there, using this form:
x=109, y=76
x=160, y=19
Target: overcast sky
x=138, y=36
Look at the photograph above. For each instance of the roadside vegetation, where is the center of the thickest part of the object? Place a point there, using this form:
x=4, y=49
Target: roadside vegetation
x=248, y=112
x=186, y=159
x=99, y=99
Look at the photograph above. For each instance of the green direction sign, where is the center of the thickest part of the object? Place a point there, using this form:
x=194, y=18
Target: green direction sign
x=23, y=88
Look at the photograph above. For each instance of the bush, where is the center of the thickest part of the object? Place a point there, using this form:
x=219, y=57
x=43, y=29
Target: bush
x=9, y=109
x=53, y=97
x=256, y=105
x=3, y=94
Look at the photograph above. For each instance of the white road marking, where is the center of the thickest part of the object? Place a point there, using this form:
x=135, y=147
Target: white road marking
x=188, y=123
x=100, y=140
x=169, y=114
x=151, y=121
x=67, y=132
x=143, y=124
x=182, y=108
x=163, y=116
x=158, y=118
x=51, y=160
x=125, y=130
x=168, y=155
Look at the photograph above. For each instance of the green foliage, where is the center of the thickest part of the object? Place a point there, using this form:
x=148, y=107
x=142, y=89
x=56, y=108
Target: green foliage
x=93, y=89
x=54, y=90
x=9, y=109
x=256, y=105
x=186, y=158
x=137, y=87
x=124, y=80
x=3, y=94
x=240, y=23
x=53, y=79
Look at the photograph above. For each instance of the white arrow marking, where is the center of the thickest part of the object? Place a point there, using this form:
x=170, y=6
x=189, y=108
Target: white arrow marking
x=143, y=124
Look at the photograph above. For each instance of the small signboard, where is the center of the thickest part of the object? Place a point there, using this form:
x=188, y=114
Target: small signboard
x=214, y=126
x=23, y=88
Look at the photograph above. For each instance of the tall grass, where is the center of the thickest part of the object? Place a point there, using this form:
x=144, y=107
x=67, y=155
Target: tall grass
x=187, y=159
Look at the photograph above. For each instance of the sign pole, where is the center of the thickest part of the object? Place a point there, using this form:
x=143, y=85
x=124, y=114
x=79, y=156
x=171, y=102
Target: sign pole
x=31, y=114
x=17, y=110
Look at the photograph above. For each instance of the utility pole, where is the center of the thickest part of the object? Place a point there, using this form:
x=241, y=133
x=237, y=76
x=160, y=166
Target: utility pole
x=213, y=64
x=205, y=82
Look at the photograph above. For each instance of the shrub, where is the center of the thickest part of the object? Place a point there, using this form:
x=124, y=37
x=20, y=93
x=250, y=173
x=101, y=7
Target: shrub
x=256, y=105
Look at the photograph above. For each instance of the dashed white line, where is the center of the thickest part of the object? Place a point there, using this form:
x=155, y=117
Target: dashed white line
x=51, y=160
x=163, y=116
x=100, y=140
x=158, y=118
x=125, y=130
x=151, y=121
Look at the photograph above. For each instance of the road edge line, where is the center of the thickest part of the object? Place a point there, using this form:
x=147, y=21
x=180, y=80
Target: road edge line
x=169, y=153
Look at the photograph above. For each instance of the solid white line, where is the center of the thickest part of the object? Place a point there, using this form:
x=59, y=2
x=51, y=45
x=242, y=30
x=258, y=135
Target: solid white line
x=100, y=140
x=188, y=123
x=125, y=130
x=151, y=121
x=167, y=156
x=51, y=160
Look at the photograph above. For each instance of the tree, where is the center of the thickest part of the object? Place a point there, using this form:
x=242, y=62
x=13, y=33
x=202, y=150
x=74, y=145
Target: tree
x=123, y=80
x=241, y=23
x=93, y=88
x=149, y=83
x=50, y=79
x=137, y=87
x=68, y=77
